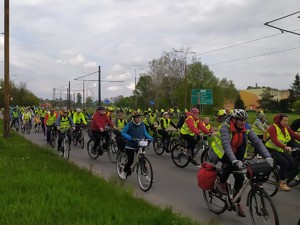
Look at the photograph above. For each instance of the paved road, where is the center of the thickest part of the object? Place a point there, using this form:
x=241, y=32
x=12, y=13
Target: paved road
x=177, y=187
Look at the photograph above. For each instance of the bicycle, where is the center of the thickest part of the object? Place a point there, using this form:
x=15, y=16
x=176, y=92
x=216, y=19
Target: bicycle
x=141, y=165
x=16, y=124
x=37, y=127
x=53, y=135
x=159, y=146
x=78, y=136
x=26, y=127
x=111, y=150
x=272, y=184
x=261, y=207
x=182, y=156
x=65, y=145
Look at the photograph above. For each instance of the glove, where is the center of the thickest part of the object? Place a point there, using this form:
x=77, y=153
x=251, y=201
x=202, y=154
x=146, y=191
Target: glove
x=73, y=128
x=58, y=127
x=238, y=163
x=270, y=161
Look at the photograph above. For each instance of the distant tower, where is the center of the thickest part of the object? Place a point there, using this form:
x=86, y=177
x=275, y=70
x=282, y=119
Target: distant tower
x=54, y=93
x=255, y=84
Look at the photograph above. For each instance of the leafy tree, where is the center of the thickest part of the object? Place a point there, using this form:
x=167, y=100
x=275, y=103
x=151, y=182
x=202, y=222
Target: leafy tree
x=89, y=101
x=79, y=99
x=239, y=103
x=296, y=106
x=295, y=89
x=267, y=101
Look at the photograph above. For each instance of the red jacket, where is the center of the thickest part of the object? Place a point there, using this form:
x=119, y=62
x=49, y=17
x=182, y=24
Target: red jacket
x=100, y=121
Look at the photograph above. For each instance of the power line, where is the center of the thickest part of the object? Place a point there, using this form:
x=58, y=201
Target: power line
x=242, y=43
x=255, y=56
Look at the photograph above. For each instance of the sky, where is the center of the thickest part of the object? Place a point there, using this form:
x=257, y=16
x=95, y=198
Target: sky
x=54, y=42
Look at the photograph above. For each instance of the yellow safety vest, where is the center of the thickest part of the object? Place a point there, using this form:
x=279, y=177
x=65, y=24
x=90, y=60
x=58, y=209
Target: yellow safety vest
x=51, y=119
x=217, y=144
x=256, y=130
x=185, y=129
x=64, y=123
x=284, y=139
x=166, y=123
x=121, y=123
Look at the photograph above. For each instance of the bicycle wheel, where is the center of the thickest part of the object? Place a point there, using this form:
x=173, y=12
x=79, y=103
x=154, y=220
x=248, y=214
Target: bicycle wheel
x=66, y=149
x=121, y=162
x=180, y=155
x=158, y=146
x=23, y=128
x=27, y=129
x=94, y=154
x=261, y=208
x=53, y=139
x=16, y=125
x=214, y=201
x=144, y=174
x=173, y=142
x=271, y=186
x=74, y=138
x=81, y=139
x=204, y=156
x=112, y=151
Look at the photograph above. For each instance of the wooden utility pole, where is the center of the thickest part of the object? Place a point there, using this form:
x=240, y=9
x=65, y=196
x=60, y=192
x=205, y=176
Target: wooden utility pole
x=6, y=118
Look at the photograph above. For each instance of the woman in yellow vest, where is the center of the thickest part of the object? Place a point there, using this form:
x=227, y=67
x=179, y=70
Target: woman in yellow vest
x=229, y=147
x=279, y=135
x=120, y=123
x=164, y=124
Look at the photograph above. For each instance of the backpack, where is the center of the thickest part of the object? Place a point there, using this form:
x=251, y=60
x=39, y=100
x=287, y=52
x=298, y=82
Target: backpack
x=206, y=175
x=181, y=121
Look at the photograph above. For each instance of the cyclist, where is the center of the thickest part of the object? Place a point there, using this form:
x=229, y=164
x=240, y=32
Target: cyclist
x=63, y=124
x=279, y=135
x=221, y=115
x=260, y=125
x=36, y=121
x=26, y=116
x=49, y=122
x=150, y=118
x=120, y=123
x=164, y=125
x=133, y=130
x=207, y=124
x=229, y=147
x=42, y=113
x=15, y=117
x=78, y=119
x=100, y=121
x=192, y=126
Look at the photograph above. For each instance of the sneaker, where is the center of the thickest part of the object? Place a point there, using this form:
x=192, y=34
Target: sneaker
x=123, y=176
x=239, y=210
x=283, y=186
x=221, y=187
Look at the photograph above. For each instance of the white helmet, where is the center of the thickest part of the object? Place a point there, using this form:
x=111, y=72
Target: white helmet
x=239, y=114
x=78, y=110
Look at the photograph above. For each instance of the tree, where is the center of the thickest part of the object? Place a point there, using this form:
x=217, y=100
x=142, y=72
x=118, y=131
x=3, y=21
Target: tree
x=295, y=89
x=239, y=103
x=89, y=102
x=79, y=98
x=266, y=102
x=296, y=106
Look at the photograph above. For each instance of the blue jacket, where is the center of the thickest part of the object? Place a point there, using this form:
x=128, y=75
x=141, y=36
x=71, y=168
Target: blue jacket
x=132, y=131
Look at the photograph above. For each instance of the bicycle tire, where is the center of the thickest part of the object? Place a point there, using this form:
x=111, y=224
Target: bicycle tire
x=52, y=140
x=261, y=208
x=121, y=162
x=271, y=186
x=180, y=156
x=173, y=142
x=144, y=174
x=16, y=125
x=23, y=129
x=214, y=201
x=74, y=138
x=93, y=154
x=112, y=151
x=158, y=146
x=66, y=149
x=81, y=139
x=204, y=156
x=27, y=129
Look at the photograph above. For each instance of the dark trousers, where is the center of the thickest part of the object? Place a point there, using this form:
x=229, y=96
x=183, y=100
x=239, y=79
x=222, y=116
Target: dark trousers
x=60, y=136
x=49, y=129
x=130, y=157
x=165, y=136
x=97, y=136
x=285, y=162
x=191, y=141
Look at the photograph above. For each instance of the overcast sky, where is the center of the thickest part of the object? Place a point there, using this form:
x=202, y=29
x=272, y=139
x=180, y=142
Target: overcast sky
x=53, y=42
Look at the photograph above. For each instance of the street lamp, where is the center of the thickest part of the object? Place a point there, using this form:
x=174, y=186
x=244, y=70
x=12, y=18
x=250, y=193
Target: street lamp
x=185, y=52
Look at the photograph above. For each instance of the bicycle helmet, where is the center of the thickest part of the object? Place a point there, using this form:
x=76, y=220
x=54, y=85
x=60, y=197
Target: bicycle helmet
x=261, y=115
x=64, y=109
x=194, y=110
x=136, y=114
x=78, y=110
x=239, y=114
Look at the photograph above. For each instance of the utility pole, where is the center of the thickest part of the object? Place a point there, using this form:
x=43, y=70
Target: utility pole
x=6, y=117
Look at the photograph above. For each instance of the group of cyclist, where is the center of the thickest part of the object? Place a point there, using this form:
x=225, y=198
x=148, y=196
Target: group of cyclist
x=228, y=146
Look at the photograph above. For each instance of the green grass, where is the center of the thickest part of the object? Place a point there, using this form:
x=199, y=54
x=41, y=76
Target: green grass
x=38, y=187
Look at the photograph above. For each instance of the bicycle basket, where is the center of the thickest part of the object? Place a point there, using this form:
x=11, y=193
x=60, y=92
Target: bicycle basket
x=258, y=171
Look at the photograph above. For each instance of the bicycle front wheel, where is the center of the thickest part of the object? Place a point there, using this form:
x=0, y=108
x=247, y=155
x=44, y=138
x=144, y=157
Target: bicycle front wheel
x=144, y=174
x=216, y=203
x=204, y=156
x=66, y=149
x=158, y=146
x=112, y=151
x=271, y=186
x=28, y=129
x=121, y=162
x=261, y=208
x=180, y=155
x=93, y=153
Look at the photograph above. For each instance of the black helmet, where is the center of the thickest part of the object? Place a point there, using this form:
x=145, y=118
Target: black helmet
x=101, y=108
x=136, y=114
x=239, y=114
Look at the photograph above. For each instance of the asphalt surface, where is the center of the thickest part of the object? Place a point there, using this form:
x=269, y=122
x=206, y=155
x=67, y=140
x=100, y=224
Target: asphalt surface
x=177, y=188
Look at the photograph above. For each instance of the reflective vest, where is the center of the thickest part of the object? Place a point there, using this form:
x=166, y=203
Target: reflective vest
x=120, y=123
x=79, y=118
x=166, y=123
x=151, y=119
x=185, y=129
x=15, y=114
x=207, y=126
x=280, y=137
x=64, y=123
x=27, y=116
x=51, y=119
x=217, y=144
x=42, y=113
x=256, y=130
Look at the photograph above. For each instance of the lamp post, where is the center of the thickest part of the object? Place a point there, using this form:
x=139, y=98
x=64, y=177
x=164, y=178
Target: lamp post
x=185, y=53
